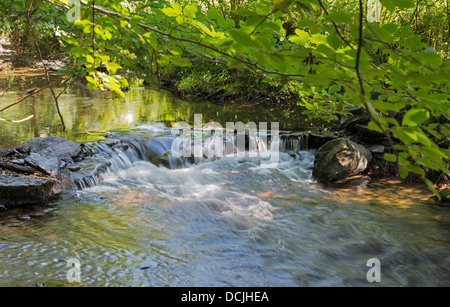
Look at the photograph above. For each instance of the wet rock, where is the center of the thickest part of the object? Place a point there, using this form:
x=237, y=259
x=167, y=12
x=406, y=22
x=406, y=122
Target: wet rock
x=6, y=152
x=74, y=168
x=24, y=217
x=376, y=149
x=53, y=147
x=339, y=159
x=160, y=151
x=445, y=195
x=358, y=115
x=316, y=141
x=23, y=169
x=47, y=165
x=18, y=190
x=18, y=161
x=445, y=198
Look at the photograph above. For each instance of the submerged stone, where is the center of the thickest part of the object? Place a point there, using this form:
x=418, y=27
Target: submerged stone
x=339, y=159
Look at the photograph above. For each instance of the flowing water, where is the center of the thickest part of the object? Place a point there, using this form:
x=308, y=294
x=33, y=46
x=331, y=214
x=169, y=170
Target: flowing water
x=228, y=221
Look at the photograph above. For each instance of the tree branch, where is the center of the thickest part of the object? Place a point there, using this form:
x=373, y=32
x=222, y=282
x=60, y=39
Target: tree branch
x=148, y=28
x=335, y=26
x=36, y=41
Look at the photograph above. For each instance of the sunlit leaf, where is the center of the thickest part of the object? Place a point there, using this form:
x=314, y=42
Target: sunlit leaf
x=415, y=117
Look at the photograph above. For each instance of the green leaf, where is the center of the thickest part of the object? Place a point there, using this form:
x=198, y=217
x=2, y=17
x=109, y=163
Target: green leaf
x=431, y=187
x=242, y=12
x=89, y=58
x=334, y=88
x=430, y=59
x=390, y=157
x=112, y=67
x=170, y=12
x=178, y=61
x=83, y=23
x=405, y=4
x=151, y=39
x=413, y=43
x=190, y=11
x=241, y=38
x=387, y=106
x=302, y=37
x=220, y=20
x=76, y=51
x=306, y=8
x=180, y=19
x=263, y=10
x=92, y=80
x=374, y=127
x=334, y=41
x=318, y=39
x=229, y=23
x=415, y=169
x=212, y=13
x=401, y=4
x=281, y=5
x=415, y=117
x=92, y=87
x=69, y=40
x=176, y=7
x=339, y=17
x=135, y=20
x=411, y=135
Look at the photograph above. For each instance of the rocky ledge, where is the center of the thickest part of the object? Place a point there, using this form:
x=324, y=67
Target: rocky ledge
x=24, y=190
x=33, y=172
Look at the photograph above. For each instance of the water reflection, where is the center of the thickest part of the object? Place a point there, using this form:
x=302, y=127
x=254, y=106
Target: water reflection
x=90, y=115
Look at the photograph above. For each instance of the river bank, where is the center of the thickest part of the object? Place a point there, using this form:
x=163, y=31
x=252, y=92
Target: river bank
x=210, y=84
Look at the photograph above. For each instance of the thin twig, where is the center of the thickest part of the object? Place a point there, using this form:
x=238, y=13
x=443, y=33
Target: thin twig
x=361, y=84
x=36, y=41
x=335, y=26
x=145, y=26
x=261, y=22
x=74, y=62
x=93, y=32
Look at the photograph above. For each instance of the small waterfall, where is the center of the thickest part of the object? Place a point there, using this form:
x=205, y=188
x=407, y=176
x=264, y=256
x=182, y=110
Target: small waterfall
x=103, y=157
x=293, y=143
x=127, y=148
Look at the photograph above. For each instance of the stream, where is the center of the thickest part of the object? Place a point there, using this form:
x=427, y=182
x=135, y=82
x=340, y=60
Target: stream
x=227, y=221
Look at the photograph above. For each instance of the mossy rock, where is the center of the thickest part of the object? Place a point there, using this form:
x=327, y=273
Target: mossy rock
x=339, y=159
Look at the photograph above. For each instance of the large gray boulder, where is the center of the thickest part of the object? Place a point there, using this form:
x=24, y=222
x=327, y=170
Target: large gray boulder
x=339, y=159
